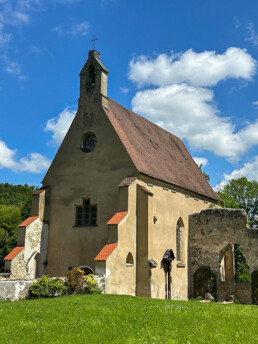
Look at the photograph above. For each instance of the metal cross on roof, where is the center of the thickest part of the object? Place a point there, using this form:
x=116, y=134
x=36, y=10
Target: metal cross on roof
x=94, y=40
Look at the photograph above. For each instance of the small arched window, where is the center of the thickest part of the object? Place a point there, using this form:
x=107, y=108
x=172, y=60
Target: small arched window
x=129, y=260
x=179, y=239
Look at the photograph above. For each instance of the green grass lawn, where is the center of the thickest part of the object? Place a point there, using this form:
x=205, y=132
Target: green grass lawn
x=124, y=319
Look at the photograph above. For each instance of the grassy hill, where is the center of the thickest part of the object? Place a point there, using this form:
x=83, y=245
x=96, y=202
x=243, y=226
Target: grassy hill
x=101, y=319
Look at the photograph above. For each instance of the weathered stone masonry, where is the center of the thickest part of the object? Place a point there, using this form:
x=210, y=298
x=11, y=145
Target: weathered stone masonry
x=212, y=233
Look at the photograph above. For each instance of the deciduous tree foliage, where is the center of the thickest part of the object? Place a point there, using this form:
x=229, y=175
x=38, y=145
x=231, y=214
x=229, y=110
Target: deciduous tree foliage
x=18, y=196
x=242, y=193
x=10, y=217
x=15, y=206
x=204, y=173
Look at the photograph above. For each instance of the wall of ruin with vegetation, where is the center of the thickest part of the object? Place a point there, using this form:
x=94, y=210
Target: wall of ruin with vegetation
x=211, y=233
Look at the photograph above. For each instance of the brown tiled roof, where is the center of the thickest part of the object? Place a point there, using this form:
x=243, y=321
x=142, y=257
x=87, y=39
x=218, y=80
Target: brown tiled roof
x=117, y=218
x=40, y=190
x=106, y=252
x=14, y=253
x=156, y=152
x=28, y=221
x=127, y=181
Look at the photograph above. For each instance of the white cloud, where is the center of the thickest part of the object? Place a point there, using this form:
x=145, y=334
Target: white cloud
x=58, y=29
x=255, y=104
x=4, y=39
x=6, y=156
x=190, y=113
x=124, y=90
x=13, y=67
x=200, y=161
x=249, y=170
x=60, y=124
x=187, y=109
x=33, y=162
x=15, y=13
x=28, y=5
x=253, y=36
x=37, y=50
x=197, y=69
x=80, y=29
x=68, y=1
x=237, y=22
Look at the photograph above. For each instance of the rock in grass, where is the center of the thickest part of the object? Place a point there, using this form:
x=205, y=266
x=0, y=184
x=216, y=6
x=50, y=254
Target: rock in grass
x=209, y=297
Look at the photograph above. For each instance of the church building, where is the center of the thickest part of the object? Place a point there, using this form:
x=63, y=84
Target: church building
x=115, y=201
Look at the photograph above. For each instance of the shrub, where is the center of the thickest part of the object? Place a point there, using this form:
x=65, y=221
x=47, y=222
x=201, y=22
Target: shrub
x=75, y=281
x=47, y=287
x=91, y=285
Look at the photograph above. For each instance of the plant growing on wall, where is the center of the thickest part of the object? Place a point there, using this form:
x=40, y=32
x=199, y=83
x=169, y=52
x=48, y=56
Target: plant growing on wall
x=75, y=279
x=47, y=287
x=91, y=286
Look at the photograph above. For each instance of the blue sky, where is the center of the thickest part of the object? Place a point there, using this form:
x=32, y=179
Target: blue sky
x=190, y=66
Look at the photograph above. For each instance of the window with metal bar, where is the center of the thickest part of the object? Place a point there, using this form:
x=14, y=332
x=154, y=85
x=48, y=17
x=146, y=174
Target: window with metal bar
x=86, y=215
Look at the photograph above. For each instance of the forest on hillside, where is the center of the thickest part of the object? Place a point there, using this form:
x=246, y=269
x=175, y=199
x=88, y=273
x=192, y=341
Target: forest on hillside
x=15, y=206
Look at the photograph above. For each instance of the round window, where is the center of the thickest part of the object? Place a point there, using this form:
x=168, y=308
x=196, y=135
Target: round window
x=89, y=143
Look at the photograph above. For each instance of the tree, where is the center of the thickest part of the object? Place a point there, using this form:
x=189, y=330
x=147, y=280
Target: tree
x=15, y=206
x=242, y=270
x=241, y=193
x=10, y=218
x=19, y=196
x=204, y=173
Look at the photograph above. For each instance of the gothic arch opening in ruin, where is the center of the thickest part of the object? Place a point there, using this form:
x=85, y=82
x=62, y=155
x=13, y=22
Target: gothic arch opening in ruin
x=205, y=282
x=242, y=270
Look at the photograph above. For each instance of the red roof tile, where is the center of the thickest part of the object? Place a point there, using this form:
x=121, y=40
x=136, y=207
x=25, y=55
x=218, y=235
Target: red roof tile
x=106, y=252
x=28, y=221
x=14, y=253
x=117, y=218
x=156, y=152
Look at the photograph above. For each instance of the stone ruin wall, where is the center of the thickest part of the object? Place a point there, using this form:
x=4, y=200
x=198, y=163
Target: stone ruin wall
x=210, y=233
x=18, y=267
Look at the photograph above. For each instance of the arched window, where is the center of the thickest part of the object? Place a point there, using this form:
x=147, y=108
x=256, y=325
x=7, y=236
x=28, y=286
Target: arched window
x=129, y=260
x=179, y=239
